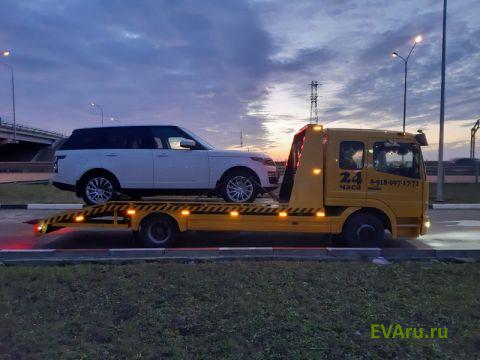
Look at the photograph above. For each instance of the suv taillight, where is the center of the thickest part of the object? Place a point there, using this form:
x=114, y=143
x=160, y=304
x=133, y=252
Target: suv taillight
x=55, y=164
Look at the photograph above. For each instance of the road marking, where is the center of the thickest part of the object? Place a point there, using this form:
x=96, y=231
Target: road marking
x=467, y=223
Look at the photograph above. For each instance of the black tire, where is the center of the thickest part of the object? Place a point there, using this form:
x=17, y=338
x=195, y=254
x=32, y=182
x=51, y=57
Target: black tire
x=158, y=230
x=239, y=186
x=104, y=182
x=364, y=229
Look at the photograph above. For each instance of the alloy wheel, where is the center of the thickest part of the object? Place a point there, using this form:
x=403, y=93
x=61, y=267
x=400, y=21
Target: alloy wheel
x=239, y=189
x=99, y=190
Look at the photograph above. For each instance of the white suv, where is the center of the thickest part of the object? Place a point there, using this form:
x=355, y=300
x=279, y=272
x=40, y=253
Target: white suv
x=101, y=164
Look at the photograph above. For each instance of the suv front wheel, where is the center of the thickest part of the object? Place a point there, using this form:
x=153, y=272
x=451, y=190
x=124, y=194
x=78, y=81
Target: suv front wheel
x=98, y=189
x=239, y=186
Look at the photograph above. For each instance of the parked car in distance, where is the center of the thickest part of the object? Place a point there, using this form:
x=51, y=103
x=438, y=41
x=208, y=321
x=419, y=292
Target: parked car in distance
x=464, y=164
x=99, y=164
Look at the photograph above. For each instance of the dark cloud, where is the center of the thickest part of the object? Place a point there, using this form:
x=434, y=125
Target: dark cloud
x=212, y=65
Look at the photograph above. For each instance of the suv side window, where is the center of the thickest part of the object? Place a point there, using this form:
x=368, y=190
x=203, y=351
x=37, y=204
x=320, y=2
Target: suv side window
x=131, y=137
x=126, y=138
x=397, y=158
x=169, y=137
x=351, y=155
x=84, y=139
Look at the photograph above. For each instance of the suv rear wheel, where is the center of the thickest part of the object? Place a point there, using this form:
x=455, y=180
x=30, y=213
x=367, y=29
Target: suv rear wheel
x=239, y=186
x=98, y=189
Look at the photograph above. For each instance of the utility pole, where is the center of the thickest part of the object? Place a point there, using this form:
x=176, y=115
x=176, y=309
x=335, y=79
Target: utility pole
x=473, y=133
x=313, y=101
x=241, y=139
x=440, y=169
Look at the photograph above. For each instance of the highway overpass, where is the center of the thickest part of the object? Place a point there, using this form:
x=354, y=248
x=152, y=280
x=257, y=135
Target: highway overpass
x=27, y=143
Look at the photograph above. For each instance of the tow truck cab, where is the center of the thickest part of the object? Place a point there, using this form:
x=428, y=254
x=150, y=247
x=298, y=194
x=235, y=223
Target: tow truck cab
x=348, y=171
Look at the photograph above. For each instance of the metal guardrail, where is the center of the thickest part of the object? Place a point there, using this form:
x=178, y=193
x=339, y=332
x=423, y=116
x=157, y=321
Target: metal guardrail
x=47, y=166
x=9, y=125
x=451, y=170
x=26, y=166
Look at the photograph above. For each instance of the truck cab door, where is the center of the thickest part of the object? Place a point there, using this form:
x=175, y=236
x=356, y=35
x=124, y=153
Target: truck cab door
x=396, y=176
x=346, y=169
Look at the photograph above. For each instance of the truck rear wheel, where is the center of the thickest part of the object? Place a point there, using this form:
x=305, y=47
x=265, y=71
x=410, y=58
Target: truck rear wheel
x=364, y=229
x=158, y=230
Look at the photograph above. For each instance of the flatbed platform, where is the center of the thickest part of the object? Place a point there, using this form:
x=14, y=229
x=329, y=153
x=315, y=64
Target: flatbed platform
x=120, y=213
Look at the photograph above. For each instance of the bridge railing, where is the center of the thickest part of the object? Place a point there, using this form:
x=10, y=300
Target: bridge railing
x=24, y=128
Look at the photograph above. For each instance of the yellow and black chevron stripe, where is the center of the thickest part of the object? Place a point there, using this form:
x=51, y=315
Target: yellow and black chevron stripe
x=119, y=207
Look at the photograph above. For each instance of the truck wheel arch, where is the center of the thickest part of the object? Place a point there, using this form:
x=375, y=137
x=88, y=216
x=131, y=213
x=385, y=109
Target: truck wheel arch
x=180, y=221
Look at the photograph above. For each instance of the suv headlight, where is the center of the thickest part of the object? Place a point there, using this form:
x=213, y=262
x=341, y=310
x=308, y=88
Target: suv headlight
x=264, y=161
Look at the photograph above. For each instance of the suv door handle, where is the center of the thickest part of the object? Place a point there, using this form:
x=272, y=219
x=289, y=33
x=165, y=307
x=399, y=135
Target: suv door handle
x=161, y=155
x=111, y=155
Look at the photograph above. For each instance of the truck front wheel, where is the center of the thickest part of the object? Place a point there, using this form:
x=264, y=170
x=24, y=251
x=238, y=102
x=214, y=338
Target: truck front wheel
x=364, y=229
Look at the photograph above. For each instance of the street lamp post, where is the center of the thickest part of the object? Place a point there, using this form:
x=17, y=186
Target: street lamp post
x=5, y=54
x=101, y=109
x=440, y=168
x=405, y=61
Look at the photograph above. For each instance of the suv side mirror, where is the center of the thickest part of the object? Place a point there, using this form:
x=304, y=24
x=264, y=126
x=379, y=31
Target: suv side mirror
x=187, y=143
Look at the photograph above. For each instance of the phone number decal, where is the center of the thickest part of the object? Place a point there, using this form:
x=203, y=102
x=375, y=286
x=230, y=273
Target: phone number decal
x=407, y=183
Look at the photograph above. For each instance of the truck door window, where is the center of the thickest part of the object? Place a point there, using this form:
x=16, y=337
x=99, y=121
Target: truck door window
x=351, y=155
x=400, y=159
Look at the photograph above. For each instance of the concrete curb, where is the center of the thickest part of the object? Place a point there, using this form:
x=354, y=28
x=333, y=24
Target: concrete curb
x=48, y=256
x=454, y=206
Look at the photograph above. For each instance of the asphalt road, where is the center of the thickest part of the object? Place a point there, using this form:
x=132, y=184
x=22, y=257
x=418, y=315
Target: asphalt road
x=451, y=229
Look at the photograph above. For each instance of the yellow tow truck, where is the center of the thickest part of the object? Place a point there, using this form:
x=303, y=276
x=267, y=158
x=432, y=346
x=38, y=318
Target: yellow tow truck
x=353, y=183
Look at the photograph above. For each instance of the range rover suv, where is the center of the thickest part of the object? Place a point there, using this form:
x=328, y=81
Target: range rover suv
x=102, y=164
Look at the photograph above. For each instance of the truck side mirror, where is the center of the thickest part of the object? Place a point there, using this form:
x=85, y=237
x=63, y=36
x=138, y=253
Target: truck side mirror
x=187, y=143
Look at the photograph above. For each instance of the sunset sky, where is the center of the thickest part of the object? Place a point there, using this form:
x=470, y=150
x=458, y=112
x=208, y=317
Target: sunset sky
x=221, y=67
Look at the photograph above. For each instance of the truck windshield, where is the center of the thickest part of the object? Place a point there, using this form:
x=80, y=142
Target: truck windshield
x=400, y=159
